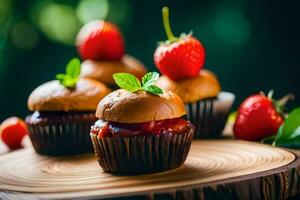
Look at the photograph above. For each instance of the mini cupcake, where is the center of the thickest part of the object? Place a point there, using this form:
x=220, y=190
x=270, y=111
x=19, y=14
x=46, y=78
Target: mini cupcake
x=101, y=45
x=103, y=70
x=181, y=61
x=207, y=107
x=141, y=130
x=63, y=111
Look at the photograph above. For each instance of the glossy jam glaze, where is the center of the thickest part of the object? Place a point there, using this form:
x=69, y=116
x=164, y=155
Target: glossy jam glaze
x=113, y=129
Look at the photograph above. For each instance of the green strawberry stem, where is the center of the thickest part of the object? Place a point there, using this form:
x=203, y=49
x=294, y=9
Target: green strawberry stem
x=285, y=99
x=167, y=26
x=280, y=104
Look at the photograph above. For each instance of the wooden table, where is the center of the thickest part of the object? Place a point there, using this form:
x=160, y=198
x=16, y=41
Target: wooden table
x=216, y=169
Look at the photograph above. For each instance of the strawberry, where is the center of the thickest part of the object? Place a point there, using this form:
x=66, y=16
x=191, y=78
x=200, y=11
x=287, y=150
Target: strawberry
x=258, y=117
x=12, y=131
x=100, y=40
x=179, y=58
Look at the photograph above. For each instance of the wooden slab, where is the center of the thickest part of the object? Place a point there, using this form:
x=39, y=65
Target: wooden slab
x=211, y=166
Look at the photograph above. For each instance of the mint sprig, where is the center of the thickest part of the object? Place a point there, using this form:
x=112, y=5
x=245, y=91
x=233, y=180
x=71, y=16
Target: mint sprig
x=131, y=83
x=127, y=81
x=288, y=134
x=70, y=78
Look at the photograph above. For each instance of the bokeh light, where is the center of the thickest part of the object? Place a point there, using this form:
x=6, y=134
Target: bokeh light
x=24, y=35
x=91, y=10
x=5, y=10
x=231, y=26
x=5, y=21
x=57, y=21
x=120, y=12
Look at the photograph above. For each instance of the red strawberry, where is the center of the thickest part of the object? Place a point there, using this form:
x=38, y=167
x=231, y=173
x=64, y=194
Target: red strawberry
x=12, y=131
x=100, y=40
x=258, y=117
x=179, y=58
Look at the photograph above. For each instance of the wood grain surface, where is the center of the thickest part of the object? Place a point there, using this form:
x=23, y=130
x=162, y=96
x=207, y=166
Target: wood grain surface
x=216, y=168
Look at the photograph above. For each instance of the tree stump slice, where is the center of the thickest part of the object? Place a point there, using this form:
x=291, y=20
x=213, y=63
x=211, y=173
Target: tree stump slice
x=215, y=169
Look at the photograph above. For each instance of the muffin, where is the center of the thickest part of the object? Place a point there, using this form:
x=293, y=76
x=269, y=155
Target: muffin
x=103, y=70
x=140, y=132
x=207, y=107
x=62, y=116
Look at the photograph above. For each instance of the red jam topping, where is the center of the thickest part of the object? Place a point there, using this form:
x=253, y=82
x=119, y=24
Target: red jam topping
x=109, y=129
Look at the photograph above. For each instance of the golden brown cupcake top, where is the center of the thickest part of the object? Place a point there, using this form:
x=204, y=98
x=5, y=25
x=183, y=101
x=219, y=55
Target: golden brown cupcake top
x=52, y=96
x=127, y=107
x=103, y=70
x=190, y=90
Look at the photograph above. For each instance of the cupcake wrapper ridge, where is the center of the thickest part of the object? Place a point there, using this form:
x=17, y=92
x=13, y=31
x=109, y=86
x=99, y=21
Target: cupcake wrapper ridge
x=208, y=116
x=142, y=154
x=60, y=139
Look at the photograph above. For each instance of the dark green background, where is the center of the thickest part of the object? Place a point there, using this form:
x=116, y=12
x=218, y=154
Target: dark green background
x=251, y=45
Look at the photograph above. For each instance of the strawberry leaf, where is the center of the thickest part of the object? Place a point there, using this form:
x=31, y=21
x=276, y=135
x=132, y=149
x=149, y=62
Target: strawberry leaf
x=269, y=140
x=296, y=133
x=279, y=135
x=292, y=122
x=288, y=134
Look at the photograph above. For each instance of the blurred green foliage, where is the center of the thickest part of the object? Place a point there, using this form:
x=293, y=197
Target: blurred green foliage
x=249, y=44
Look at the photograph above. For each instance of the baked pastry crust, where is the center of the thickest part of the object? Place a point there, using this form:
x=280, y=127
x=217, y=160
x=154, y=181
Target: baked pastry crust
x=103, y=70
x=206, y=85
x=52, y=96
x=127, y=107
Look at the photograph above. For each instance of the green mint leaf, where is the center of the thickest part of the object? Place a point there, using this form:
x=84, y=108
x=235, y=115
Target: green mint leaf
x=70, y=83
x=292, y=122
x=149, y=79
x=127, y=81
x=153, y=89
x=60, y=77
x=73, y=68
x=71, y=77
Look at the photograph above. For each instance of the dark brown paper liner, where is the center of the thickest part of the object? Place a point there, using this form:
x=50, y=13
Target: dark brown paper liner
x=69, y=137
x=143, y=153
x=209, y=120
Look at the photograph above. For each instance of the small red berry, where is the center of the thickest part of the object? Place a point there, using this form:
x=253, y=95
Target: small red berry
x=100, y=40
x=12, y=131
